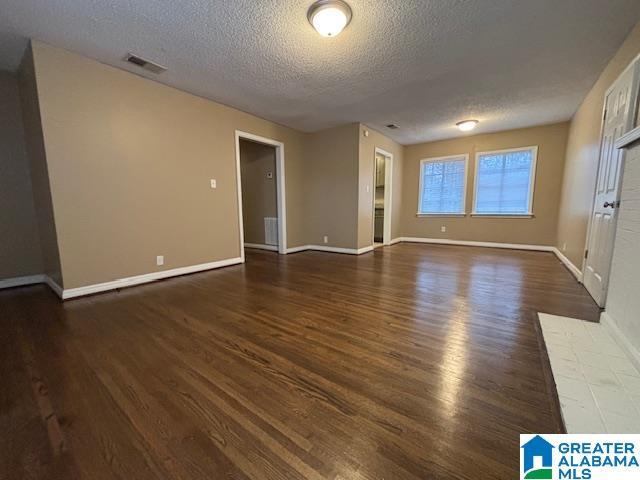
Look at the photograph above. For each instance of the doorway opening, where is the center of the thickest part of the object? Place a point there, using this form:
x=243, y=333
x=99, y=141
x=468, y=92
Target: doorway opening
x=383, y=167
x=261, y=207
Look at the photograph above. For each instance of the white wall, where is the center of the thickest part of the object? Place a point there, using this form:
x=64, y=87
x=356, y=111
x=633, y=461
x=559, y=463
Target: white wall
x=623, y=301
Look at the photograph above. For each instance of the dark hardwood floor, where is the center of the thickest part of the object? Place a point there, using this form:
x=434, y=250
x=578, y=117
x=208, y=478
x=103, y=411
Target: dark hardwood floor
x=411, y=362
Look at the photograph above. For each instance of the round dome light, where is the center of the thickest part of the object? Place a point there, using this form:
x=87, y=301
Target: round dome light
x=329, y=17
x=467, y=125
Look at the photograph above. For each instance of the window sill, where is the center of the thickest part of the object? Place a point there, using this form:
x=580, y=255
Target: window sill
x=503, y=215
x=441, y=214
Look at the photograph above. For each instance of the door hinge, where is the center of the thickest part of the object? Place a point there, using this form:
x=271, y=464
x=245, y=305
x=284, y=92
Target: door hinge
x=586, y=253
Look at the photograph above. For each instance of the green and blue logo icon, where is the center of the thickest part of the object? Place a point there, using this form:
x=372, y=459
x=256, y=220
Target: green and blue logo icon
x=537, y=459
x=580, y=456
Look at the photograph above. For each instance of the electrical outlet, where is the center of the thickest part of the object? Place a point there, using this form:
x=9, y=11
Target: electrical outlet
x=269, y=174
x=443, y=229
x=564, y=247
x=214, y=184
x=367, y=188
x=326, y=239
x=160, y=260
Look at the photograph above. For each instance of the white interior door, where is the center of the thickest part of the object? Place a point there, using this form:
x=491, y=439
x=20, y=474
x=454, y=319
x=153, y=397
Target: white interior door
x=620, y=103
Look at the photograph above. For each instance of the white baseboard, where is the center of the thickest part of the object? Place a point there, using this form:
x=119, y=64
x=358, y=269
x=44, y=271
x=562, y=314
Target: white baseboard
x=326, y=248
x=301, y=248
x=349, y=251
x=445, y=241
x=57, y=289
x=395, y=240
x=262, y=246
x=620, y=338
x=139, y=279
x=567, y=263
x=22, y=281
x=32, y=280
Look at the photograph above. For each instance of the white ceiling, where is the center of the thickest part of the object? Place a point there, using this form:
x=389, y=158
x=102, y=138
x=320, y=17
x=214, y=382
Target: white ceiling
x=423, y=65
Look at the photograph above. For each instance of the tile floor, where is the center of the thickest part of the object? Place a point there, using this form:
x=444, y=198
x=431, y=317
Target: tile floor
x=598, y=386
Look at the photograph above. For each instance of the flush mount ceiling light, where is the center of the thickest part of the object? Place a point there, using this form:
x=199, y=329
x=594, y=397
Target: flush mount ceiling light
x=467, y=125
x=329, y=17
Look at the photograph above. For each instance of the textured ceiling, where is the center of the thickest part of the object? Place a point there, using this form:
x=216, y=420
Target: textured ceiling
x=423, y=65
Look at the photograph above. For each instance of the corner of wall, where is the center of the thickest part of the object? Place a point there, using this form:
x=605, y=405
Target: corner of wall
x=366, y=156
x=40, y=181
x=20, y=255
x=582, y=154
x=332, y=196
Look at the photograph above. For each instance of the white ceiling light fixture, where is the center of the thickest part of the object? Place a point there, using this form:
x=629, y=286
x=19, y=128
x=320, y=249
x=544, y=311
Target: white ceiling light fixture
x=329, y=17
x=467, y=125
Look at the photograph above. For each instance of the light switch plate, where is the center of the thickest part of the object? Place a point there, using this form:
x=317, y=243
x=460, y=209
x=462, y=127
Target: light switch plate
x=214, y=183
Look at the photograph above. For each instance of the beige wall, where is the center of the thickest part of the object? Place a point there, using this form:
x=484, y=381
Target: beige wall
x=366, y=172
x=582, y=155
x=20, y=247
x=129, y=165
x=259, y=193
x=332, y=167
x=129, y=162
x=540, y=230
x=34, y=143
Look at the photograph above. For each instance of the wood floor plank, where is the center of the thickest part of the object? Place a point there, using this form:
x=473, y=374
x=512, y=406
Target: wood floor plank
x=411, y=362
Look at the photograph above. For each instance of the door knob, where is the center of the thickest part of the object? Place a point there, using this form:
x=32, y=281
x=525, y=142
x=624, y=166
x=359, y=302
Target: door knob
x=609, y=204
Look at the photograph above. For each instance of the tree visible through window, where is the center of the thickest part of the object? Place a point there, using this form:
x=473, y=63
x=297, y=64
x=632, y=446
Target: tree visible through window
x=442, y=182
x=504, y=182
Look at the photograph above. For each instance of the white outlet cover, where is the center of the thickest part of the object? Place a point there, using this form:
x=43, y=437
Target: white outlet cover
x=214, y=184
x=160, y=260
x=443, y=228
x=326, y=239
x=269, y=174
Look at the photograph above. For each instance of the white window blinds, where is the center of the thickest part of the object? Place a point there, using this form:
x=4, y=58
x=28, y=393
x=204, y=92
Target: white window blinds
x=504, y=182
x=442, y=185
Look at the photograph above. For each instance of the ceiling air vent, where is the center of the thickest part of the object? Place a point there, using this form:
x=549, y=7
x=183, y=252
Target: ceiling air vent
x=146, y=64
x=392, y=126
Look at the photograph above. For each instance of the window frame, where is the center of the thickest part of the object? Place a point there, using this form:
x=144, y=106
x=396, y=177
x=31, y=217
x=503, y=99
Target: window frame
x=447, y=158
x=532, y=183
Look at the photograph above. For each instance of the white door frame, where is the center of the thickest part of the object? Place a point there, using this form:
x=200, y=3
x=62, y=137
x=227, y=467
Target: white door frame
x=282, y=210
x=633, y=104
x=388, y=190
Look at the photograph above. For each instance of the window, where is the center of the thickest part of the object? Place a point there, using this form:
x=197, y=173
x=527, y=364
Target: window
x=504, y=182
x=442, y=185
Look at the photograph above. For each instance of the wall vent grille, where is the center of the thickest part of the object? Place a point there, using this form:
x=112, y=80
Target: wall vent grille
x=146, y=64
x=271, y=231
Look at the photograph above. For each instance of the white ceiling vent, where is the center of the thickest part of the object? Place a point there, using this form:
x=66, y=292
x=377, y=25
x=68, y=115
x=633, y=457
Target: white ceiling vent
x=146, y=64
